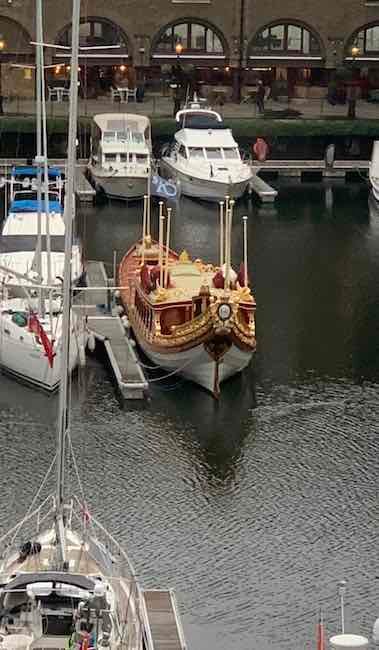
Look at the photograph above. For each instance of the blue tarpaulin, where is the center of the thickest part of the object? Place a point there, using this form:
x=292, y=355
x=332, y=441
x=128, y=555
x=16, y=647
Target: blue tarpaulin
x=29, y=205
x=54, y=172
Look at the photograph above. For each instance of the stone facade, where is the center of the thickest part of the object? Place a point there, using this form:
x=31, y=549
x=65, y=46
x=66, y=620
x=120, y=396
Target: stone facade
x=141, y=20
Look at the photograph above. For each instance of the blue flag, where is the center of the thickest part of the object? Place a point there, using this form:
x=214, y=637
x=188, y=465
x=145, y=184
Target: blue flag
x=165, y=189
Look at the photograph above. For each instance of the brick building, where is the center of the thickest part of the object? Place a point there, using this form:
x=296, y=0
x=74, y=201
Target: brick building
x=223, y=42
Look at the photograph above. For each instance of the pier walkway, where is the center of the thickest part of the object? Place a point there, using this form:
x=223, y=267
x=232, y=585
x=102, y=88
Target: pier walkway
x=93, y=303
x=297, y=168
x=161, y=620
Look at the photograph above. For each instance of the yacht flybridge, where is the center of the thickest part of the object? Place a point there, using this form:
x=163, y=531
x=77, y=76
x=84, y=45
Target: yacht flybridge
x=204, y=157
x=120, y=162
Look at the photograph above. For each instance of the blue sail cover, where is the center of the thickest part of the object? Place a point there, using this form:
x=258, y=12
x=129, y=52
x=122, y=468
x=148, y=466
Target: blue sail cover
x=54, y=172
x=31, y=205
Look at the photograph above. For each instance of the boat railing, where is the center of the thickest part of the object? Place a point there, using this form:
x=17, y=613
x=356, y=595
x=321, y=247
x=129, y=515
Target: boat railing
x=115, y=564
x=28, y=527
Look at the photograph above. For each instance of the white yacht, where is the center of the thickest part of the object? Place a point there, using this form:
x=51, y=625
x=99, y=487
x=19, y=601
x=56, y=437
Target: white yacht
x=204, y=157
x=121, y=155
x=374, y=169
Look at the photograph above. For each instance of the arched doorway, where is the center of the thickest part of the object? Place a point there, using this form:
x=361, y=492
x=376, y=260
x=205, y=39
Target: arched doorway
x=99, y=68
x=362, y=58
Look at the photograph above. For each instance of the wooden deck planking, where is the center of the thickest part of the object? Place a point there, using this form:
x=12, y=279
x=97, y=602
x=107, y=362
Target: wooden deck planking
x=162, y=620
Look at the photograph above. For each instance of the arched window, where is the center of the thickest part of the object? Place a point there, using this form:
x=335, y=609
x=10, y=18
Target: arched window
x=366, y=40
x=285, y=38
x=195, y=38
x=13, y=38
x=95, y=31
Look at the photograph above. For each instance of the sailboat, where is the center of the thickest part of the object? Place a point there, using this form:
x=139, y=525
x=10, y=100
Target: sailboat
x=65, y=581
x=30, y=307
x=32, y=240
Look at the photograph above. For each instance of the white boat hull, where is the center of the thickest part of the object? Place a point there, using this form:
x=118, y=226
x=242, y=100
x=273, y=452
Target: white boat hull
x=375, y=187
x=198, y=366
x=22, y=356
x=210, y=189
x=120, y=187
x=374, y=170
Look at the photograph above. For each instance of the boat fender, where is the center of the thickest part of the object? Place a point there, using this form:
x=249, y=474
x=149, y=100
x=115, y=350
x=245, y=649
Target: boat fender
x=82, y=355
x=91, y=343
x=119, y=310
x=125, y=322
x=117, y=294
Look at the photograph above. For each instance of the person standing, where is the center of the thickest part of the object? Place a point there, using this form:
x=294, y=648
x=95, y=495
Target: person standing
x=260, y=97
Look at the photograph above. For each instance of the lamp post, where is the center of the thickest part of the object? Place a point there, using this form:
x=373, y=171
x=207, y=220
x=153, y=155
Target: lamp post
x=2, y=47
x=352, y=99
x=178, y=49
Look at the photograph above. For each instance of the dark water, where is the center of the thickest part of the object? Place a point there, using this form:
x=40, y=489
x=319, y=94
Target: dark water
x=255, y=507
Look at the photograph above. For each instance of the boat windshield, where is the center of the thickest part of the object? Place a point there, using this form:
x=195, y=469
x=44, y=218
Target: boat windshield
x=127, y=136
x=33, y=196
x=231, y=153
x=213, y=153
x=196, y=152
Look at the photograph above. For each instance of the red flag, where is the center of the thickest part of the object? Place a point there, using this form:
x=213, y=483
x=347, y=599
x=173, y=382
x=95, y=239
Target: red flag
x=36, y=327
x=85, y=514
x=320, y=633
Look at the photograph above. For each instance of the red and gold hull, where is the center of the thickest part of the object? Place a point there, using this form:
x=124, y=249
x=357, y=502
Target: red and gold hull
x=205, y=334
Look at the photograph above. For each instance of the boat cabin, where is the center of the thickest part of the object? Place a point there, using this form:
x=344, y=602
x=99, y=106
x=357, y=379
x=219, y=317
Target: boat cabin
x=27, y=201
x=66, y=606
x=203, y=138
x=121, y=143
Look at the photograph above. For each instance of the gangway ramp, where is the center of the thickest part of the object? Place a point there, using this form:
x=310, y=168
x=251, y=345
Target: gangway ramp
x=94, y=304
x=122, y=357
x=161, y=620
x=266, y=193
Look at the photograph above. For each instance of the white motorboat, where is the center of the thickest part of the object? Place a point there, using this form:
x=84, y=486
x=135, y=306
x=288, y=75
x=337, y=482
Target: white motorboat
x=204, y=158
x=65, y=581
x=374, y=170
x=121, y=157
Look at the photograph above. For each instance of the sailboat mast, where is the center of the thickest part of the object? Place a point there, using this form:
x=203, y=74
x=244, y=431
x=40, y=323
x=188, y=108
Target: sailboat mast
x=63, y=419
x=46, y=168
x=39, y=146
